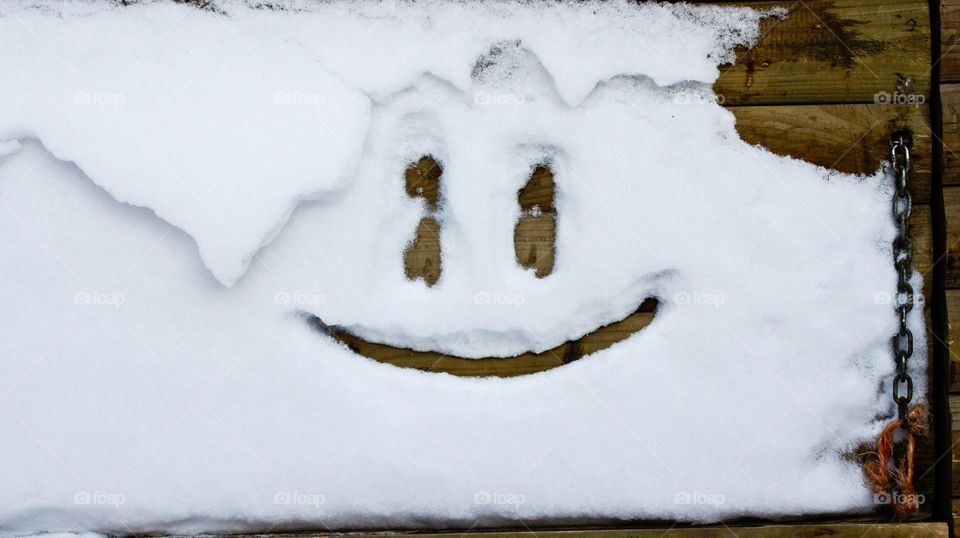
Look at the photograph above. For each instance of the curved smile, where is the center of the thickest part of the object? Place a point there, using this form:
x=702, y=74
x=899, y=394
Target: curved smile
x=523, y=364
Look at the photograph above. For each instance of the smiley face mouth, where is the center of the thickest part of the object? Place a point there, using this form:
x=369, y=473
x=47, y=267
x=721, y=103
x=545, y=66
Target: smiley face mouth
x=524, y=364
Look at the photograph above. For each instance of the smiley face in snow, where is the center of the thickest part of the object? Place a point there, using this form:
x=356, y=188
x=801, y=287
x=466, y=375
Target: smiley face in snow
x=534, y=243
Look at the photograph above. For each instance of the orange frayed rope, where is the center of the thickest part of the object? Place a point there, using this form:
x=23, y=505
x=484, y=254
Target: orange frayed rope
x=892, y=475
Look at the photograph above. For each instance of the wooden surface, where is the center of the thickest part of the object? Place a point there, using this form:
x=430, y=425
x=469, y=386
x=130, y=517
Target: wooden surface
x=817, y=88
x=949, y=41
x=833, y=51
x=535, y=236
x=852, y=138
x=950, y=99
x=422, y=258
x=527, y=363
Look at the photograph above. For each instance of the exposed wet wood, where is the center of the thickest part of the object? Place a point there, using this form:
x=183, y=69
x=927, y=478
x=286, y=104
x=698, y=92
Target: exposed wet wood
x=852, y=138
x=526, y=363
x=950, y=99
x=535, y=235
x=951, y=202
x=949, y=64
x=953, y=338
x=921, y=226
x=955, y=427
x=422, y=258
x=539, y=192
x=950, y=41
x=534, y=241
x=422, y=180
x=833, y=51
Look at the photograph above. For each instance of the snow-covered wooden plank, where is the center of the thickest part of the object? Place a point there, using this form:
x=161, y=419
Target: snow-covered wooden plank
x=527, y=363
x=852, y=138
x=833, y=51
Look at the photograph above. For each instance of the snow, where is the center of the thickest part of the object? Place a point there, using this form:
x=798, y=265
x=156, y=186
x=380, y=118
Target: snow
x=221, y=152
x=141, y=391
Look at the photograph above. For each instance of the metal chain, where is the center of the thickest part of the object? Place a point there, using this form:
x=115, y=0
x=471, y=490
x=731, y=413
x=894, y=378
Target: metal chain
x=903, y=261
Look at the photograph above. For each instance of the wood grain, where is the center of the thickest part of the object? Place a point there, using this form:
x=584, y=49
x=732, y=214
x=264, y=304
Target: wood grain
x=955, y=452
x=422, y=180
x=534, y=242
x=535, y=235
x=527, y=363
x=953, y=338
x=852, y=138
x=950, y=41
x=951, y=203
x=921, y=226
x=833, y=51
x=422, y=258
x=950, y=99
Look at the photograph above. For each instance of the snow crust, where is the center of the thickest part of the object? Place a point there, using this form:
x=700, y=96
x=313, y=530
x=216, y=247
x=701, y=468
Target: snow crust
x=139, y=393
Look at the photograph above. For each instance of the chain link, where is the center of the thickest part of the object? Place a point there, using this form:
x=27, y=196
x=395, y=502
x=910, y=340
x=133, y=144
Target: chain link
x=903, y=262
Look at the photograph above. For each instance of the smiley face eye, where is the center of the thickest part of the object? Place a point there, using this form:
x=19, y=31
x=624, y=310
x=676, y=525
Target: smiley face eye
x=534, y=238
x=421, y=259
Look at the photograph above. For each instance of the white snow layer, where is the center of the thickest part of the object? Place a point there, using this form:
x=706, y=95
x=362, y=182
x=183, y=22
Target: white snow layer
x=138, y=393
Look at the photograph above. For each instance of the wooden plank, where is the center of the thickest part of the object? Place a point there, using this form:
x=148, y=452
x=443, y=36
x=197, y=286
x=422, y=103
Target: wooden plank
x=953, y=334
x=950, y=40
x=422, y=259
x=950, y=99
x=951, y=204
x=852, y=138
x=955, y=452
x=925, y=476
x=526, y=363
x=535, y=235
x=956, y=511
x=838, y=530
x=921, y=226
x=833, y=51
